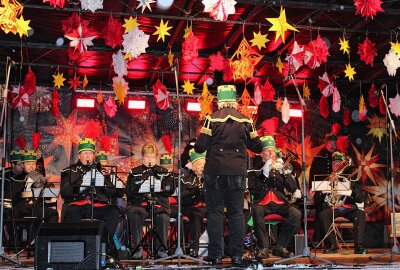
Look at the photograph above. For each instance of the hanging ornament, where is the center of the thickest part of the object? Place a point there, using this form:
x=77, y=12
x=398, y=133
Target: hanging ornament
x=9, y=11
x=342, y=143
x=395, y=47
x=170, y=58
x=296, y=57
x=336, y=100
x=325, y=85
x=75, y=82
x=382, y=107
x=335, y=129
x=367, y=51
x=270, y=126
x=188, y=29
x=36, y=137
x=219, y=9
x=112, y=33
x=162, y=30
x=30, y=82
x=92, y=5
x=278, y=104
x=285, y=111
x=55, y=99
x=145, y=4
x=85, y=82
x=316, y=52
x=188, y=87
x=349, y=72
x=377, y=127
x=57, y=3
x=394, y=105
x=135, y=42
x=23, y=26
x=344, y=45
x=217, y=62
x=120, y=64
x=58, y=79
x=99, y=97
x=161, y=95
x=120, y=89
x=228, y=71
x=205, y=100
x=80, y=38
x=18, y=97
x=246, y=105
x=279, y=65
x=259, y=40
x=268, y=91
x=190, y=49
x=324, y=107
x=346, y=117
x=257, y=94
x=362, y=109
x=130, y=24
x=373, y=96
x=244, y=60
x=110, y=107
x=72, y=23
x=306, y=91
x=368, y=8
x=93, y=129
x=20, y=142
x=280, y=25
x=392, y=62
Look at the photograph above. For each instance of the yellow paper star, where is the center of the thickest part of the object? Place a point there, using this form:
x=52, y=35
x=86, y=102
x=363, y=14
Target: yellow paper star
x=280, y=25
x=170, y=58
x=344, y=45
x=279, y=65
x=187, y=32
x=306, y=91
x=58, y=80
x=99, y=97
x=349, y=72
x=259, y=40
x=23, y=26
x=85, y=82
x=120, y=90
x=395, y=47
x=188, y=87
x=162, y=30
x=128, y=56
x=130, y=24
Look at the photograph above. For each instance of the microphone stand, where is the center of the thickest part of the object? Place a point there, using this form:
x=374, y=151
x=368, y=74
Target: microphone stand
x=306, y=249
x=392, y=129
x=178, y=251
x=3, y=122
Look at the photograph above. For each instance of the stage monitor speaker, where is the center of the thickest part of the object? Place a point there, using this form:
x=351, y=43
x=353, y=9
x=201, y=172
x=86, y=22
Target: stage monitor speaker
x=298, y=244
x=62, y=246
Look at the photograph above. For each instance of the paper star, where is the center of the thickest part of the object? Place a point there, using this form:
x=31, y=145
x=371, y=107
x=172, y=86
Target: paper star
x=58, y=80
x=279, y=65
x=349, y=72
x=187, y=32
x=23, y=26
x=75, y=82
x=145, y=3
x=395, y=105
x=280, y=25
x=344, y=45
x=85, y=82
x=366, y=165
x=99, y=97
x=395, y=47
x=170, y=58
x=120, y=89
x=259, y=40
x=162, y=30
x=377, y=127
x=130, y=24
x=188, y=87
x=306, y=91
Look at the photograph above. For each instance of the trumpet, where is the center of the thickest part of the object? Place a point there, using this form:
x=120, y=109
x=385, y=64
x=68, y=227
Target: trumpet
x=287, y=167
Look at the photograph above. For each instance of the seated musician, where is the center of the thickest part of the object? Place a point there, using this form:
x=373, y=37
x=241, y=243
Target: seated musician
x=267, y=185
x=139, y=205
x=193, y=201
x=78, y=200
x=345, y=204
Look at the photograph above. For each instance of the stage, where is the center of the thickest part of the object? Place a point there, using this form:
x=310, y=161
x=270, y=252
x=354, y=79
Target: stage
x=343, y=260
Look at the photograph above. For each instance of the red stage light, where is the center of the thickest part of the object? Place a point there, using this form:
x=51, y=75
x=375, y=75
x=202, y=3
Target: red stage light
x=85, y=102
x=193, y=106
x=136, y=104
x=295, y=113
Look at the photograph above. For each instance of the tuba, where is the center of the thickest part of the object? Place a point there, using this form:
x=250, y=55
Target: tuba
x=334, y=199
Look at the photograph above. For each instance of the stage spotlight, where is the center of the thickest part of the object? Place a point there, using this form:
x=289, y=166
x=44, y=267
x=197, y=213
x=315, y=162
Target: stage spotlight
x=136, y=104
x=85, y=102
x=295, y=113
x=164, y=4
x=31, y=32
x=193, y=106
x=60, y=41
x=210, y=81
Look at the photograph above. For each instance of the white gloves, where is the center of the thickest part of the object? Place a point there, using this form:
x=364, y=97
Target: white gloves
x=297, y=194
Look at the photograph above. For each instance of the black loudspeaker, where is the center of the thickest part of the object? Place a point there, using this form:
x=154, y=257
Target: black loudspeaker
x=69, y=246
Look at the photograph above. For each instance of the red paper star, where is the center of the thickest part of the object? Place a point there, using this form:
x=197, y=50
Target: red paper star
x=368, y=8
x=367, y=51
x=56, y=3
x=217, y=61
x=268, y=91
x=81, y=38
x=367, y=166
x=72, y=23
x=75, y=82
x=190, y=49
x=112, y=33
x=316, y=53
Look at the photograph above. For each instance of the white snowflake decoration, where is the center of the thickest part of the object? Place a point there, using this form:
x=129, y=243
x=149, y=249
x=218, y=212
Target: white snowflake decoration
x=92, y=5
x=392, y=62
x=135, y=42
x=145, y=4
x=395, y=105
x=219, y=9
x=120, y=64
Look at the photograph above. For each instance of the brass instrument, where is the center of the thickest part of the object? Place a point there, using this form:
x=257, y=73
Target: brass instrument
x=334, y=199
x=287, y=167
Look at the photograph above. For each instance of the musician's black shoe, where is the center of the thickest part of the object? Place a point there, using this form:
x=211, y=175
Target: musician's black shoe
x=332, y=250
x=194, y=253
x=282, y=252
x=138, y=255
x=263, y=253
x=237, y=261
x=359, y=249
x=213, y=261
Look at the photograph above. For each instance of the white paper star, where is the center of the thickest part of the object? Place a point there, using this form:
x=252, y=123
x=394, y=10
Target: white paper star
x=295, y=59
x=92, y=5
x=395, y=105
x=119, y=64
x=145, y=4
x=392, y=62
x=81, y=38
x=135, y=42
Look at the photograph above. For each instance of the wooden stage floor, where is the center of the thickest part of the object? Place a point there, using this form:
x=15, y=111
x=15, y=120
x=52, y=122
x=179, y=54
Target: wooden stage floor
x=343, y=260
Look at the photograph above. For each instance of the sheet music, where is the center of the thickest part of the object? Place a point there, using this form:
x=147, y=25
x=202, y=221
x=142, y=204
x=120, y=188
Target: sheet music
x=47, y=192
x=87, y=179
x=145, y=186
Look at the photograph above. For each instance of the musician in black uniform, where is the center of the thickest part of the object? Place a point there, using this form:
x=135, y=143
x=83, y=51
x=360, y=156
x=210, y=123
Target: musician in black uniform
x=193, y=201
x=226, y=135
x=350, y=202
x=268, y=187
x=78, y=200
x=139, y=204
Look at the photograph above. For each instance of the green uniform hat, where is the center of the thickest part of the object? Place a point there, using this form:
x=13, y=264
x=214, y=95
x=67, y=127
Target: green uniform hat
x=29, y=156
x=196, y=156
x=101, y=156
x=16, y=155
x=226, y=93
x=166, y=160
x=86, y=144
x=268, y=142
x=337, y=156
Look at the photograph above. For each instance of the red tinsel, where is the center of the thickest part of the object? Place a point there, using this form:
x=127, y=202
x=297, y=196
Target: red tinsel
x=267, y=91
x=112, y=33
x=324, y=107
x=367, y=51
x=190, y=49
x=342, y=143
x=30, y=82
x=270, y=126
x=217, y=62
x=228, y=71
x=167, y=143
x=105, y=143
x=382, y=108
x=93, y=129
x=20, y=142
x=336, y=128
x=57, y=3
x=36, y=140
x=368, y=8
x=373, y=98
x=55, y=99
x=317, y=52
x=346, y=117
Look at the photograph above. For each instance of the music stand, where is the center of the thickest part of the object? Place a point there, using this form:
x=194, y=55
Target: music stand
x=332, y=187
x=91, y=180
